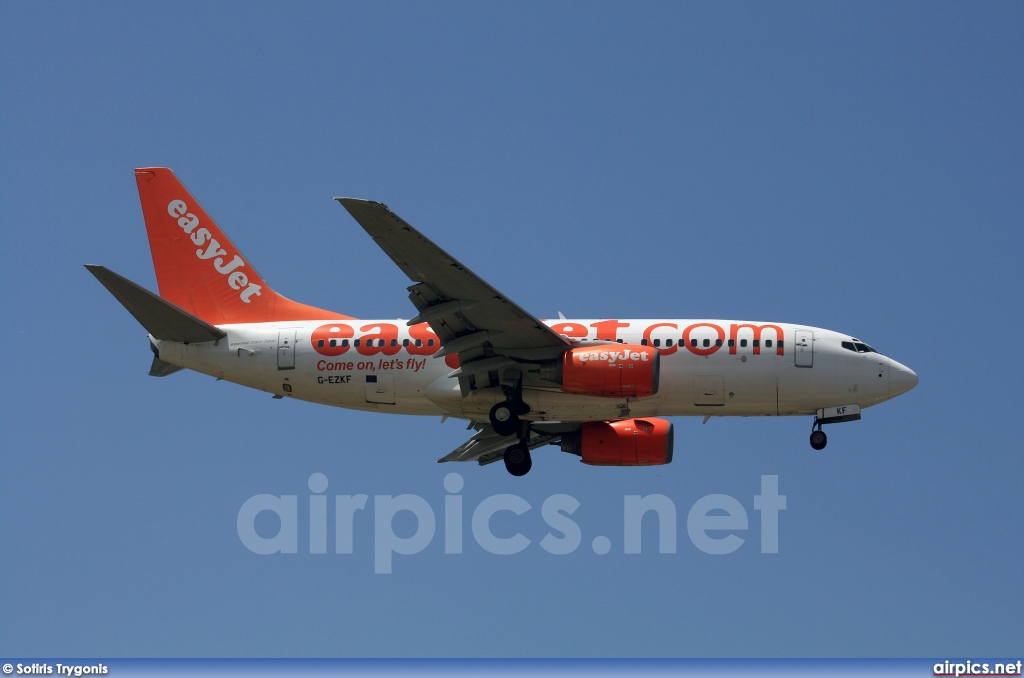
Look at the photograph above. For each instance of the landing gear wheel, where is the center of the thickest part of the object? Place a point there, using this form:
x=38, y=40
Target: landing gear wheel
x=518, y=460
x=819, y=440
x=504, y=419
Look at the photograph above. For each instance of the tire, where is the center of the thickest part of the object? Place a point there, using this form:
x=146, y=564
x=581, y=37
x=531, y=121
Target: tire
x=503, y=419
x=518, y=461
x=819, y=440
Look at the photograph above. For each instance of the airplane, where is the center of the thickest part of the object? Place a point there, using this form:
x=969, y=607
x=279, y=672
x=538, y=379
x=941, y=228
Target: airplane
x=598, y=388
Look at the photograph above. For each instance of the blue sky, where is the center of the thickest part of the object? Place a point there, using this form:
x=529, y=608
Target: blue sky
x=853, y=166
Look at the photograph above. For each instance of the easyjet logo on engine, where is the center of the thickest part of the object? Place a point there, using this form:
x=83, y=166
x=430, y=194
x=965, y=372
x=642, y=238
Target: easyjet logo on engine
x=236, y=278
x=612, y=356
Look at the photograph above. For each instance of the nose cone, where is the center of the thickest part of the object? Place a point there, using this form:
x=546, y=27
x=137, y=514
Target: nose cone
x=901, y=379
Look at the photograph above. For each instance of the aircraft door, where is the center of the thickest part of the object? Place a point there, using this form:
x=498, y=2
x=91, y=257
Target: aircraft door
x=708, y=390
x=380, y=388
x=286, y=350
x=804, y=348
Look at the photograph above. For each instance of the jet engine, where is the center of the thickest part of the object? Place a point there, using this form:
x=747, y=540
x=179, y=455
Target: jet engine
x=609, y=371
x=628, y=442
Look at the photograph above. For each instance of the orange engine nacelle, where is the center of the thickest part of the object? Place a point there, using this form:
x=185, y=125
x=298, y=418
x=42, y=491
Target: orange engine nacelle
x=629, y=442
x=612, y=371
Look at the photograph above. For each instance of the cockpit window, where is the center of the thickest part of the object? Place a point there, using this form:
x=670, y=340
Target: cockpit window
x=858, y=347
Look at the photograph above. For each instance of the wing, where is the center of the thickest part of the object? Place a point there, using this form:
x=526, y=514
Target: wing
x=485, y=328
x=486, y=446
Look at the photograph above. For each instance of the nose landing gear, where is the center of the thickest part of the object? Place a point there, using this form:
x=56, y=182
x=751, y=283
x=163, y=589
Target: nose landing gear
x=831, y=415
x=818, y=438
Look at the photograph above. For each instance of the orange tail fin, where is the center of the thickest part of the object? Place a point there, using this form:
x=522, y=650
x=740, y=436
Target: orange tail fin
x=197, y=267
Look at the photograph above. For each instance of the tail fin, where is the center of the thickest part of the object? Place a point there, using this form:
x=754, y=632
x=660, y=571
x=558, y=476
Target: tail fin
x=197, y=267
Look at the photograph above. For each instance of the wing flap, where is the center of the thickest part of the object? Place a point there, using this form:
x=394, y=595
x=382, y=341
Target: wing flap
x=486, y=440
x=486, y=446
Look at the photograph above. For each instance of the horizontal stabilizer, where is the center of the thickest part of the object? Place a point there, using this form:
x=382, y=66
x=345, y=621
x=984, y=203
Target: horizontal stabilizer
x=159, y=368
x=161, y=318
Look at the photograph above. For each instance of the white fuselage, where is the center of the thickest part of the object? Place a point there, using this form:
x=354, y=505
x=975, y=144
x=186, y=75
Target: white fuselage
x=708, y=367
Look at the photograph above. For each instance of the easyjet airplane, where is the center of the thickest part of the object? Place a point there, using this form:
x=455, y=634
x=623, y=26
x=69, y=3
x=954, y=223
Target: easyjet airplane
x=598, y=388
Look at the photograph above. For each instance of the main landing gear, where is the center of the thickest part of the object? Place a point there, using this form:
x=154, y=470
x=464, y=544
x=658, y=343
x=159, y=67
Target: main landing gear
x=818, y=438
x=505, y=420
x=518, y=461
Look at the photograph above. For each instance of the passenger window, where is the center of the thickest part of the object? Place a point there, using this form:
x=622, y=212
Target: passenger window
x=668, y=342
x=743, y=343
x=344, y=342
x=718, y=343
x=781, y=342
x=757, y=343
x=394, y=342
x=320, y=344
x=430, y=342
x=732, y=343
x=334, y=342
x=767, y=343
x=419, y=342
x=643, y=342
x=405, y=342
x=707, y=342
x=693, y=342
x=356, y=342
x=657, y=342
